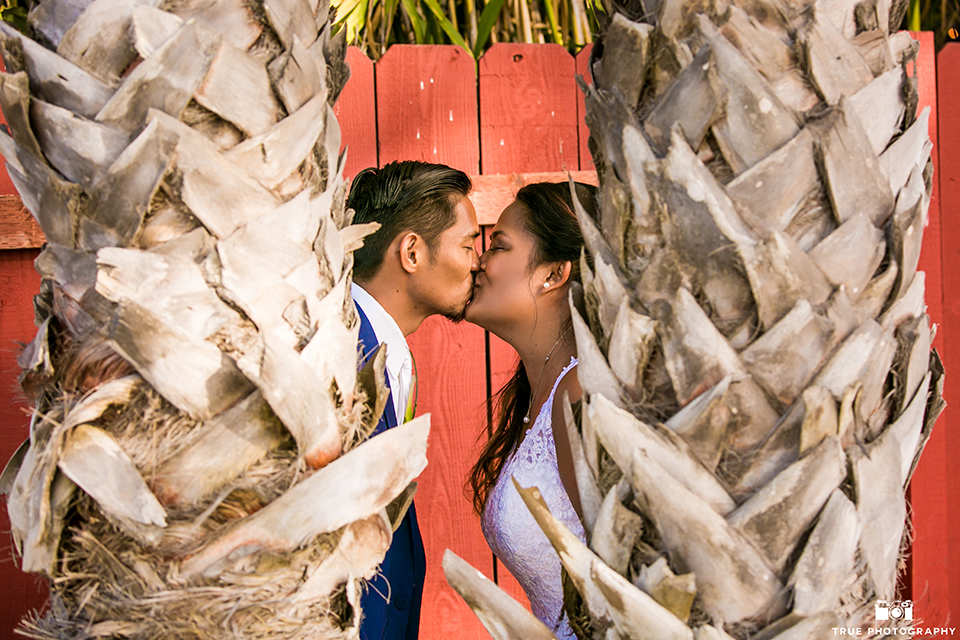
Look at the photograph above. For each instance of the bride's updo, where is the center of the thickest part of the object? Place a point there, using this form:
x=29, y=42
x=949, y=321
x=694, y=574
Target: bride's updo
x=550, y=219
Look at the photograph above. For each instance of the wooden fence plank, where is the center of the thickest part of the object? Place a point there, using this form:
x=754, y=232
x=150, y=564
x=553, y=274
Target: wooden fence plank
x=427, y=110
x=583, y=62
x=451, y=368
x=528, y=116
x=948, y=177
x=19, y=592
x=928, y=489
x=427, y=106
x=356, y=112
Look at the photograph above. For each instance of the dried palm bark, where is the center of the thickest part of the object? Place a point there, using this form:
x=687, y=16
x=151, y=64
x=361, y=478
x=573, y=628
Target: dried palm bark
x=754, y=349
x=197, y=465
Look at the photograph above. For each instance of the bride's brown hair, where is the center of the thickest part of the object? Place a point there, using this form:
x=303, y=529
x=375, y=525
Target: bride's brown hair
x=550, y=219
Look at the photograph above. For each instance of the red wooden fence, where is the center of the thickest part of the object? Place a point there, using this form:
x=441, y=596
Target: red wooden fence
x=944, y=477
x=519, y=111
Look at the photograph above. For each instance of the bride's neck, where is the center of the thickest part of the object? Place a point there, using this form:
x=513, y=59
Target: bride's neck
x=558, y=343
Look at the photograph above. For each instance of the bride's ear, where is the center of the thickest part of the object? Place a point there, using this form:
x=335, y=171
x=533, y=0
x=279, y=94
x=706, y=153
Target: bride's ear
x=559, y=275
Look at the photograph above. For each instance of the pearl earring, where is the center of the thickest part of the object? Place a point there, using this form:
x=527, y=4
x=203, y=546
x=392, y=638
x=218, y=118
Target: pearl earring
x=546, y=285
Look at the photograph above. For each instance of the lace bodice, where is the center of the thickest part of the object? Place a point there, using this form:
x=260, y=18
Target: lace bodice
x=515, y=536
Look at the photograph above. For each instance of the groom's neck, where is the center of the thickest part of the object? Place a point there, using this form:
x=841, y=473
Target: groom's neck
x=392, y=295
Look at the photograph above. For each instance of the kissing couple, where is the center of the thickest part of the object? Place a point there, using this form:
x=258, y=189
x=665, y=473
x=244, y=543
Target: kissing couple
x=423, y=261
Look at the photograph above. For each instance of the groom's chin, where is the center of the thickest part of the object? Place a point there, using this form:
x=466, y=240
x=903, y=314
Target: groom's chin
x=456, y=316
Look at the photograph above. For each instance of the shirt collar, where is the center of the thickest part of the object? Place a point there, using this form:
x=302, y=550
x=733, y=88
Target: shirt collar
x=386, y=329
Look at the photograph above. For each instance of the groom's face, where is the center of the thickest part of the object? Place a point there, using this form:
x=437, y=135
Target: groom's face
x=445, y=285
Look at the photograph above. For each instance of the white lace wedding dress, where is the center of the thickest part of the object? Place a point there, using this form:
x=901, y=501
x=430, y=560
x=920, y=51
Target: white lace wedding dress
x=515, y=536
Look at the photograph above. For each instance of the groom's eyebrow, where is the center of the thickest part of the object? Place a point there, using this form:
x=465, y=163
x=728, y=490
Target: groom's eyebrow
x=473, y=235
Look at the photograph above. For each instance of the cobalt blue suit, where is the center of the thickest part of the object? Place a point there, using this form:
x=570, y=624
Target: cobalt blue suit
x=405, y=564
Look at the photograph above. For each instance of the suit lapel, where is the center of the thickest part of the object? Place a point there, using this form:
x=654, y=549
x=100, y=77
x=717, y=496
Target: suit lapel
x=368, y=345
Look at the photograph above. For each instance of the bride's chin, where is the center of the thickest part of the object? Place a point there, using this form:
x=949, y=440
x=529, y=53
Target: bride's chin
x=470, y=315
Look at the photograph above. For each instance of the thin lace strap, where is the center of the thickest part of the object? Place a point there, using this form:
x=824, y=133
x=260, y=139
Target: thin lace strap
x=566, y=370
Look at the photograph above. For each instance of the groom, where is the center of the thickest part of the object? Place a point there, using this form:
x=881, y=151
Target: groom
x=419, y=263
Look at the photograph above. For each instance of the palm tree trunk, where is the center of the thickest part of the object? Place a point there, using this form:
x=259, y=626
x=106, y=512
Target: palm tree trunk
x=754, y=352
x=197, y=464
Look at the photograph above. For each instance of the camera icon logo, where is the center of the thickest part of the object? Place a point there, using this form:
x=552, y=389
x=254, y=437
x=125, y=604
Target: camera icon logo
x=898, y=610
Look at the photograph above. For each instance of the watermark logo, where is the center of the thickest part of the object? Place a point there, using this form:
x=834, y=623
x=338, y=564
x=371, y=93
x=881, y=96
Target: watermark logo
x=895, y=620
x=899, y=610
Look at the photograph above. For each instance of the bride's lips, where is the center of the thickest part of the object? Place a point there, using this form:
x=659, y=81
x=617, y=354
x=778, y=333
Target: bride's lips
x=473, y=291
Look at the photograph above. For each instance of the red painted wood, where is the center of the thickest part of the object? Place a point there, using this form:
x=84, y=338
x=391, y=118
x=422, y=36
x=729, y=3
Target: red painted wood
x=928, y=491
x=427, y=110
x=451, y=370
x=528, y=114
x=19, y=282
x=583, y=62
x=427, y=106
x=948, y=177
x=356, y=111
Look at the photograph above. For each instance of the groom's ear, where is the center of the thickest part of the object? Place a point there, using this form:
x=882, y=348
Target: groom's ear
x=412, y=251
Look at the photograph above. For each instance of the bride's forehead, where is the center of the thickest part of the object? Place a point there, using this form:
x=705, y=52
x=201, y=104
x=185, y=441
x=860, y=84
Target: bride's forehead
x=511, y=219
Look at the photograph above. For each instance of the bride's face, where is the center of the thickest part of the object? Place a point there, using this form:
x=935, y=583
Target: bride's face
x=505, y=289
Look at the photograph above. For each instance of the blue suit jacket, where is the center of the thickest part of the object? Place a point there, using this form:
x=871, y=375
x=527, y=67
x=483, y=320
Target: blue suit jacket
x=405, y=565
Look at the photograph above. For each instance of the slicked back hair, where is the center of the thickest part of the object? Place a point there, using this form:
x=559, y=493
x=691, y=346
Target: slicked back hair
x=403, y=196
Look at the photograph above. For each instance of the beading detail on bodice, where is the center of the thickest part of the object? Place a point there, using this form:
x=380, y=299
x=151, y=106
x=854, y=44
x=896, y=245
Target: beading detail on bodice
x=515, y=536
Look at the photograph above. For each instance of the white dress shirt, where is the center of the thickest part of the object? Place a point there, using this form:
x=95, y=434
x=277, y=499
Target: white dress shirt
x=399, y=363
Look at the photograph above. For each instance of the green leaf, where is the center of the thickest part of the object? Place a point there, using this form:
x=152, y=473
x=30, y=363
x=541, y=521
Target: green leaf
x=913, y=16
x=419, y=24
x=345, y=8
x=552, y=19
x=352, y=14
x=390, y=12
x=16, y=16
x=488, y=19
x=448, y=27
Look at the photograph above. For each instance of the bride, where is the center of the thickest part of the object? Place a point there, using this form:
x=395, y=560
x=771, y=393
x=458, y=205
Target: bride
x=520, y=295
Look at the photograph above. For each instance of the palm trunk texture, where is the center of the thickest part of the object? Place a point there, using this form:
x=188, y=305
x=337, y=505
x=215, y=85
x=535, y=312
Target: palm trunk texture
x=197, y=465
x=754, y=349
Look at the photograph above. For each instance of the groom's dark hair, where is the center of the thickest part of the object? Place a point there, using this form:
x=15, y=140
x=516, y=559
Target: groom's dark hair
x=403, y=196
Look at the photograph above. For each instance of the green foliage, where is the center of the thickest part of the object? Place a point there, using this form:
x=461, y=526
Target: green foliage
x=938, y=16
x=488, y=19
x=472, y=24
x=476, y=24
x=15, y=14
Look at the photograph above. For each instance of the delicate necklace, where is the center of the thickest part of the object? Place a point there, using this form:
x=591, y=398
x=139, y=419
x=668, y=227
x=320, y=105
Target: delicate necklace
x=526, y=418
